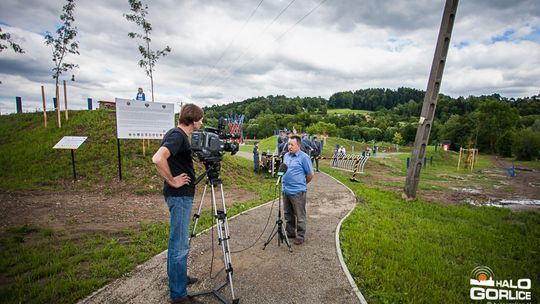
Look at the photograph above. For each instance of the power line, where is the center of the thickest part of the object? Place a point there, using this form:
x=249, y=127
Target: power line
x=261, y=34
x=276, y=39
x=232, y=41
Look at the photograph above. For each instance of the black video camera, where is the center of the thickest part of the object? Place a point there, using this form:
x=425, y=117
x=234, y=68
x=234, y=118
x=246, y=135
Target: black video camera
x=210, y=143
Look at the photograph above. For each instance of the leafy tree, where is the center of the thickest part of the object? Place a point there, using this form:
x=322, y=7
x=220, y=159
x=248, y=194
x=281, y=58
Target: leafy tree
x=526, y=144
x=149, y=56
x=321, y=127
x=495, y=117
x=398, y=139
x=7, y=38
x=63, y=44
x=351, y=132
x=459, y=130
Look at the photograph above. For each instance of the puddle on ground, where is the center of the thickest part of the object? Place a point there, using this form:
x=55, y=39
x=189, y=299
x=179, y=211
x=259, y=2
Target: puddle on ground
x=506, y=203
x=467, y=190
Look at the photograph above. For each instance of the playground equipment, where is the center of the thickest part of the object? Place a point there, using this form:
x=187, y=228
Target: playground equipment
x=236, y=126
x=353, y=163
x=472, y=157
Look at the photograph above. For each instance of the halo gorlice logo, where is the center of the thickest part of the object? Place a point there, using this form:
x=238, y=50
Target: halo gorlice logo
x=485, y=287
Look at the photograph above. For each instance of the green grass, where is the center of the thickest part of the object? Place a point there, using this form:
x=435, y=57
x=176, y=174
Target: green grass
x=419, y=252
x=41, y=265
x=348, y=111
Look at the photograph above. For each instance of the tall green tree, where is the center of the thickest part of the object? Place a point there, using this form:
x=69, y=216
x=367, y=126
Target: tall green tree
x=149, y=56
x=495, y=118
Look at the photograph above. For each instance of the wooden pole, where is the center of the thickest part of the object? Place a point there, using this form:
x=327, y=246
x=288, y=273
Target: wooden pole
x=65, y=100
x=143, y=148
x=459, y=159
x=44, y=107
x=58, y=108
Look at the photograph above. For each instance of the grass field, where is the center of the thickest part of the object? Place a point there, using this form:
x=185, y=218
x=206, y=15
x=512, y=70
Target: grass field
x=347, y=111
x=420, y=252
x=41, y=265
x=44, y=265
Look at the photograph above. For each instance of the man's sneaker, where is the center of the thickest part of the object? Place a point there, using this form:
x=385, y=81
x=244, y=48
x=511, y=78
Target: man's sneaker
x=298, y=241
x=192, y=280
x=186, y=300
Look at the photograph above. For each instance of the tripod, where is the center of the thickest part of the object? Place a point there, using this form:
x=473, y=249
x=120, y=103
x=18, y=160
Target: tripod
x=279, y=229
x=222, y=225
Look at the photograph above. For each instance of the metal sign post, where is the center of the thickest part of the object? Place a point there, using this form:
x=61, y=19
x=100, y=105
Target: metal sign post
x=71, y=143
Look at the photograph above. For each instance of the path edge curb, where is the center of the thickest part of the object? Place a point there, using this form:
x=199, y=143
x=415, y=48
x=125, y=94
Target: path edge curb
x=357, y=291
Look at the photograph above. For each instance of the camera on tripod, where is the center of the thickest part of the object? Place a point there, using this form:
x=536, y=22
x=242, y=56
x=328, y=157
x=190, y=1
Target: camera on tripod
x=211, y=143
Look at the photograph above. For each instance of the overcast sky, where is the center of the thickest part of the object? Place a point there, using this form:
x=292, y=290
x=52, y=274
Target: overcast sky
x=219, y=55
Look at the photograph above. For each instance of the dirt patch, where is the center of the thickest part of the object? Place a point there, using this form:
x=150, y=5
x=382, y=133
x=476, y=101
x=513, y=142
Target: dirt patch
x=94, y=211
x=484, y=187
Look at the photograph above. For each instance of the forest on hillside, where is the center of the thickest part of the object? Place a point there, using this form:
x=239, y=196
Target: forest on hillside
x=491, y=123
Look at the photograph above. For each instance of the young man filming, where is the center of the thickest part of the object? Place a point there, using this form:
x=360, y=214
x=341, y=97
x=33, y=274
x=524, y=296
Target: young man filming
x=174, y=164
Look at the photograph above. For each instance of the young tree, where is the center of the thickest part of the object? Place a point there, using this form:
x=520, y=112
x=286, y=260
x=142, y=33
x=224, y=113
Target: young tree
x=62, y=45
x=7, y=38
x=149, y=56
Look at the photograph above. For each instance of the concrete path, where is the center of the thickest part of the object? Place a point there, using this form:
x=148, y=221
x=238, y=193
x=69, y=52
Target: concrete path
x=310, y=274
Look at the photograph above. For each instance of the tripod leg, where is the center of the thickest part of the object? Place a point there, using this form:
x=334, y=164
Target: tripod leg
x=224, y=236
x=197, y=215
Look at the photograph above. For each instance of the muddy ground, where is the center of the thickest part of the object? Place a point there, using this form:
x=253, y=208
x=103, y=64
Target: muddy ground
x=89, y=211
x=93, y=211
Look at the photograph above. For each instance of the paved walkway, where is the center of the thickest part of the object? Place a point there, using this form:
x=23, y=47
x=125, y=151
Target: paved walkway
x=310, y=274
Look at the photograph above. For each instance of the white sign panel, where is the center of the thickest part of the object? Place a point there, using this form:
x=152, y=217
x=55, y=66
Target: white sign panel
x=70, y=142
x=143, y=119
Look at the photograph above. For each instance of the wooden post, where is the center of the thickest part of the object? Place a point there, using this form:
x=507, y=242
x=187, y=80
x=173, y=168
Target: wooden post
x=44, y=107
x=143, y=148
x=459, y=159
x=58, y=108
x=65, y=100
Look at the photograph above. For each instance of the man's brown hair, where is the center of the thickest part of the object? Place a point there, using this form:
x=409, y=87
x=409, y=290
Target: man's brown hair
x=190, y=113
x=297, y=138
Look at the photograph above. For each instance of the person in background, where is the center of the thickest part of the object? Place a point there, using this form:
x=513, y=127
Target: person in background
x=316, y=152
x=299, y=174
x=174, y=163
x=140, y=95
x=256, y=157
x=306, y=145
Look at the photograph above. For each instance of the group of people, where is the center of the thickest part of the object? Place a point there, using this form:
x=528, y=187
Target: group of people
x=174, y=163
x=312, y=148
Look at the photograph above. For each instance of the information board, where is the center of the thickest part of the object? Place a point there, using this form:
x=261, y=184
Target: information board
x=143, y=119
x=70, y=142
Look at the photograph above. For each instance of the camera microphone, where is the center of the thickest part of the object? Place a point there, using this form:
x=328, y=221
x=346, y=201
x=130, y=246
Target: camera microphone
x=281, y=171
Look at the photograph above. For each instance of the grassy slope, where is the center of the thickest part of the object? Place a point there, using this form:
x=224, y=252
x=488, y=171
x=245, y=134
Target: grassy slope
x=421, y=252
x=41, y=265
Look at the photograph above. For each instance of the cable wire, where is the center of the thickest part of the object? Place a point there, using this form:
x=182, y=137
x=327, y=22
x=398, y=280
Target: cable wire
x=260, y=35
x=232, y=41
x=276, y=39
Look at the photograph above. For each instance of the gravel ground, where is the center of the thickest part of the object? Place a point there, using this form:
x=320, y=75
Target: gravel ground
x=311, y=273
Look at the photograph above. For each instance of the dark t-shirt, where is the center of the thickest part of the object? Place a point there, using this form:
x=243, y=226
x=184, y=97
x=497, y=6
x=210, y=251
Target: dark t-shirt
x=180, y=161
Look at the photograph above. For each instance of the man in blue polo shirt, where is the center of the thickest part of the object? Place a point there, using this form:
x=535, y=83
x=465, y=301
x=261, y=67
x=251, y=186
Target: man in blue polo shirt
x=299, y=174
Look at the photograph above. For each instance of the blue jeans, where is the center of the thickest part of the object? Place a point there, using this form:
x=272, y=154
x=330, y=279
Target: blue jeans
x=180, y=210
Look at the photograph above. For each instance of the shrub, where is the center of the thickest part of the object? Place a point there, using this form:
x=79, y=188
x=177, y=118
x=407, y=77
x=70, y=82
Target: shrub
x=526, y=144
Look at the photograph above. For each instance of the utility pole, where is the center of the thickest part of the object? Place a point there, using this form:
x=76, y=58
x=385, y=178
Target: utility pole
x=430, y=100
